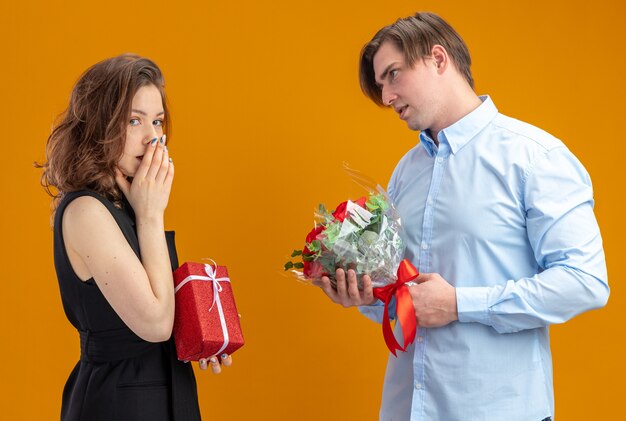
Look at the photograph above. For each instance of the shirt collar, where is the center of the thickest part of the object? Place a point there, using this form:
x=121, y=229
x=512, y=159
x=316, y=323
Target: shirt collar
x=464, y=130
x=428, y=143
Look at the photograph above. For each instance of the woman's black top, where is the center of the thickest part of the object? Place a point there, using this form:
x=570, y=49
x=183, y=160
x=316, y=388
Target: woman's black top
x=119, y=376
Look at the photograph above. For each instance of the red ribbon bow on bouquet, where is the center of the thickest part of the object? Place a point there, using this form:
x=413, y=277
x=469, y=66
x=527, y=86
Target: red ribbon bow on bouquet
x=405, y=312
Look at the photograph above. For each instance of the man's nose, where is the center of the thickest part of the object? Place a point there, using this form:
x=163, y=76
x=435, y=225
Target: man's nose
x=387, y=97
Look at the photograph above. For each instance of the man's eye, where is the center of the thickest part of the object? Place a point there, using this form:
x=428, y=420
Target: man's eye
x=393, y=73
x=134, y=121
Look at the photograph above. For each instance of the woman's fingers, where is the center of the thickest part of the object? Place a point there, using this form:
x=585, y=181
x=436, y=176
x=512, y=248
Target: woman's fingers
x=215, y=363
x=122, y=182
x=163, y=167
x=165, y=164
x=227, y=360
x=146, y=161
x=170, y=175
x=216, y=368
x=149, y=191
x=157, y=158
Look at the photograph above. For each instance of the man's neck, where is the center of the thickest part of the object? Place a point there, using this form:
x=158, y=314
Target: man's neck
x=462, y=100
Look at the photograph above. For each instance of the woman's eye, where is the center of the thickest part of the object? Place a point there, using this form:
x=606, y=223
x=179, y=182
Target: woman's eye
x=157, y=123
x=134, y=121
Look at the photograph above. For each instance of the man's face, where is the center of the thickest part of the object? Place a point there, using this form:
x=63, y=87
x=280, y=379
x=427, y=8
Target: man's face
x=410, y=91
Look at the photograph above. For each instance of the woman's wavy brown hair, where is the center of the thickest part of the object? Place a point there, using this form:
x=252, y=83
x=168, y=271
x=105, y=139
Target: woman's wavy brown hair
x=87, y=142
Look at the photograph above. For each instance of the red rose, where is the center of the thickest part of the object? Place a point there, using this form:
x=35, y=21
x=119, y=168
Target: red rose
x=361, y=201
x=340, y=212
x=313, y=270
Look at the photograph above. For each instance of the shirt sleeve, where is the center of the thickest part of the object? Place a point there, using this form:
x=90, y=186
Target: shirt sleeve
x=566, y=242
x=376, y=310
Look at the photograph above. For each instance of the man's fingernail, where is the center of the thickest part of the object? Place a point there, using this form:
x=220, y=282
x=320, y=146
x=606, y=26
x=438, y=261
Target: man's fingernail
x=213, y=359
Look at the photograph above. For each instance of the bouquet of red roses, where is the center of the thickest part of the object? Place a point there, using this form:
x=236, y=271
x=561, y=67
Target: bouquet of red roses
x=364, y=235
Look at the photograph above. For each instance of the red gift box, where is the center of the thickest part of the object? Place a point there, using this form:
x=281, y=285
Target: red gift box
x=206, y=322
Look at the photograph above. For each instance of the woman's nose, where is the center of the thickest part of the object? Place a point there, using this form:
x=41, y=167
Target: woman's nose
x=151, y=133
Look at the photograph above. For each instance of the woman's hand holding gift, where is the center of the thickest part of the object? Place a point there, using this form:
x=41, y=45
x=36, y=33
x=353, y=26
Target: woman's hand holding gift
x=216, y=363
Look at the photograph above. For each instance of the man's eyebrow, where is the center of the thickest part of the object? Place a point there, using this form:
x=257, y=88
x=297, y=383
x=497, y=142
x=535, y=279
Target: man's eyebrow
x=143, y=113
x=383, y=75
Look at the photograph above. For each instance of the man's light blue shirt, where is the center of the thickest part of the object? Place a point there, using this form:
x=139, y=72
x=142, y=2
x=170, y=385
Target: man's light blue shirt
x=504, y=212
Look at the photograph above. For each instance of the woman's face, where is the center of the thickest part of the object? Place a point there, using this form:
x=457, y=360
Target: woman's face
x=144, y=124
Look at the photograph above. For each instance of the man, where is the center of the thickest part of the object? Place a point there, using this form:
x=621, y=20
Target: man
x=499, y=221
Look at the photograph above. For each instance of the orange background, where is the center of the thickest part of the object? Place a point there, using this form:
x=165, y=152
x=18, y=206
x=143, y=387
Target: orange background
x=266, y=107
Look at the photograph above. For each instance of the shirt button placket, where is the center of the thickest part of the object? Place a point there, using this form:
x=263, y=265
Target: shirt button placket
x=418, y=375
x=428, y=210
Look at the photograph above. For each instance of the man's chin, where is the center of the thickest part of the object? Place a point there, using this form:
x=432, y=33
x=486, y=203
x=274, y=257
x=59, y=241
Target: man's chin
x=414, y=126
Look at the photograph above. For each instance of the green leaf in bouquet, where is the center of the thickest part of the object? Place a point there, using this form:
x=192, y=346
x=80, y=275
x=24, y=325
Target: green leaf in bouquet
x=296, y=253
x=289, y=265
x=308, y=258
x=377, y=201
x=298, y=265
x=315, y=246
x=372, y=206
x=331, y=234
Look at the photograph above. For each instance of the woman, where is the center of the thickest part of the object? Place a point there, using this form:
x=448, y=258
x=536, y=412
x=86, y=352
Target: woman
x=109, y=163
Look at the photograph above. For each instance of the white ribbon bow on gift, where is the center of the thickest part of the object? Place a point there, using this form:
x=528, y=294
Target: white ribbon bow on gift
x=217, y=288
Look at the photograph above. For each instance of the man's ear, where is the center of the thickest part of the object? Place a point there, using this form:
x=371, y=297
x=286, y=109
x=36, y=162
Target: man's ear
x=440, y=58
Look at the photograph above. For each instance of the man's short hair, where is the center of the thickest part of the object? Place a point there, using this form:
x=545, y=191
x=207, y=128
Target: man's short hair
x=414, y=36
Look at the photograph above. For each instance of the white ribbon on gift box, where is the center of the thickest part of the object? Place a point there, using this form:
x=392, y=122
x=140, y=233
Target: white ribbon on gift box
x=217, y=288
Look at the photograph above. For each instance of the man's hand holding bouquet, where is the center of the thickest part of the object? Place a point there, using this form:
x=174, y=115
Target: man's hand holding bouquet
x=363, y=239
